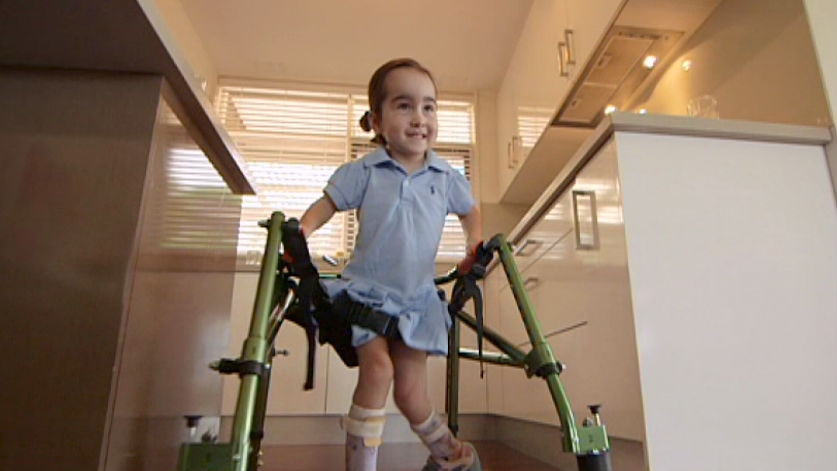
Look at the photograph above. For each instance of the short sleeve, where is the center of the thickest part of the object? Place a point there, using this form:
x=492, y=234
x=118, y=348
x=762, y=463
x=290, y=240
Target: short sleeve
x=460, y=201
x=346, y=186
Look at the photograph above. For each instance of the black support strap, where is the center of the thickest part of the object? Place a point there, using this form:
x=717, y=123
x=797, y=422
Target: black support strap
x=242, y=367
x=466, y=288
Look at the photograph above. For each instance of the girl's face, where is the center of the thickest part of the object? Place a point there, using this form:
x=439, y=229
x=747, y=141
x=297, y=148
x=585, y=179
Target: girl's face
x=408, y=114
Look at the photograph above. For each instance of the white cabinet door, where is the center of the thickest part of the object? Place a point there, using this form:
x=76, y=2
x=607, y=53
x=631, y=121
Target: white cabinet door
x=537, y=242
x=493, y=376
x=532, y=87
x=589, y=21
x=581, y=296
x=550, y=280
x=602, y=364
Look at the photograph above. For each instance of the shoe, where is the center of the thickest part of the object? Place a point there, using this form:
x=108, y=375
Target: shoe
x=432, y=465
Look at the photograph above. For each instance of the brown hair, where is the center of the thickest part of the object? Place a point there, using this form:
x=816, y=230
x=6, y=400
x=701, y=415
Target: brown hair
x=377, y=92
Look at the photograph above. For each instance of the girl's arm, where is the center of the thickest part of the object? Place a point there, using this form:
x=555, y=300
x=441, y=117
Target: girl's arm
x=472, y=225
x=316, y=215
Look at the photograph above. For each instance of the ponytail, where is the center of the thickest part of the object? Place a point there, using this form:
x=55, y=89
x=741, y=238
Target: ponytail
x=366, y=124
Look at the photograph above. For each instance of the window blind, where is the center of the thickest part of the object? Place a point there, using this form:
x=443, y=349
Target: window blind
x=293, y=140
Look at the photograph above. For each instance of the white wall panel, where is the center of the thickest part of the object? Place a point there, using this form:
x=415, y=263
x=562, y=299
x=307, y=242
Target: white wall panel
x=733, y=266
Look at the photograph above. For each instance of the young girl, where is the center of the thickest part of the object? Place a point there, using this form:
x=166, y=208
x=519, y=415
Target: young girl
x=402, y=191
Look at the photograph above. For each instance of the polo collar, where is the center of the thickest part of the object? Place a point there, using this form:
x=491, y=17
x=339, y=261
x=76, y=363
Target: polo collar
x=380, y=156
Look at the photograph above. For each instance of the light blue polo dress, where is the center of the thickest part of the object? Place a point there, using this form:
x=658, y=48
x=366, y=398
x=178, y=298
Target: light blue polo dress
x=401, y=219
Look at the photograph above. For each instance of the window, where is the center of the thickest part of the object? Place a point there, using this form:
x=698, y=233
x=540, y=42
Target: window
x=293, y=140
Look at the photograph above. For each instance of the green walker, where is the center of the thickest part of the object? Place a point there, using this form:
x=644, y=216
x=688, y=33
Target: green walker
x=277, y=301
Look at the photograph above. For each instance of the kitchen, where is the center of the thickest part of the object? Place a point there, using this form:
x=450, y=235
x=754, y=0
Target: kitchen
x=758, y=82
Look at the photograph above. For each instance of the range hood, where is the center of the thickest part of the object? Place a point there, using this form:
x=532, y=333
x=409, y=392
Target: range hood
x=614, y=73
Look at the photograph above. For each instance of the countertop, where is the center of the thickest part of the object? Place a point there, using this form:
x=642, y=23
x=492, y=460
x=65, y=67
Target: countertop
x=662, y=124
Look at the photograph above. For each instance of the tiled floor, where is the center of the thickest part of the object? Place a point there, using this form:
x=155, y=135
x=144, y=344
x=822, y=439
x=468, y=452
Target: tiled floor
x=392, y=457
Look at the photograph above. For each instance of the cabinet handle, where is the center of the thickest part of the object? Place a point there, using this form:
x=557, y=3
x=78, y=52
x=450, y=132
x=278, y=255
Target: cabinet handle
x=562, y=59
x=531, y=282
x=569, y=40
x=513, y=151
x=565, y=329
x=566, y=53
x=586, y=228
x=534, y=243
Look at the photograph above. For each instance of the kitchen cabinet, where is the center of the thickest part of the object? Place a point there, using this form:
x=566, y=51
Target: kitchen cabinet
x=537, y=81
x=686, y=295
x=589, y=20
x=582, y=304
x=532, y=86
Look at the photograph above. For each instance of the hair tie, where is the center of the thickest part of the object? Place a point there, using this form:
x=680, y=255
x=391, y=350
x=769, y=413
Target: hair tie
x=366, y=121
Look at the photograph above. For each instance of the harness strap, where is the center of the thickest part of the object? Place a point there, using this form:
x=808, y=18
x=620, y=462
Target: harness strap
x=464, y=289
x=379, y=322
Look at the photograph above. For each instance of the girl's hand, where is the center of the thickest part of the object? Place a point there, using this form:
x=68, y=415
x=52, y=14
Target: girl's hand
x=466, y=264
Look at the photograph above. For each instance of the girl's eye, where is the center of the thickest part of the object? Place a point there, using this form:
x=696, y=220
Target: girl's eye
x=430, y=108
x=403, y=106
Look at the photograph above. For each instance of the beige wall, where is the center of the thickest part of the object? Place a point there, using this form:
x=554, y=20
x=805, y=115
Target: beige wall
x=183, y=41
x=822, y=15
x=75, y=151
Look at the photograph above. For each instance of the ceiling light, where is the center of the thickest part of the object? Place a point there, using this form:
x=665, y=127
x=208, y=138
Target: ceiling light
x=686, y=65
x=610, y=109
x=650, y=61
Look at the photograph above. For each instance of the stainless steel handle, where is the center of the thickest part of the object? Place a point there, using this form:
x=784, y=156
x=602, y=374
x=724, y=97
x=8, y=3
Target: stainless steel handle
x=531, y=282
x=534, y=243
x=562, y=59
x=566, y=53
x=513, y=151
x=569, y=39
x=587, y=227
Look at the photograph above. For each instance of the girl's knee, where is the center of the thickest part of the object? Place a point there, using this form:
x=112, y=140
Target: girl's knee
x=377, y=367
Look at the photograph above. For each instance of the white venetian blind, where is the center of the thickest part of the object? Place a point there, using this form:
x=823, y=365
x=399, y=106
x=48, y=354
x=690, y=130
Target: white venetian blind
x=293, y=140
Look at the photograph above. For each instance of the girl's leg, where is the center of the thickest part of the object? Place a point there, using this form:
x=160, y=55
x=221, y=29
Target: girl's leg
x=365, y=423
x=412, y=398
x=375, y=373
